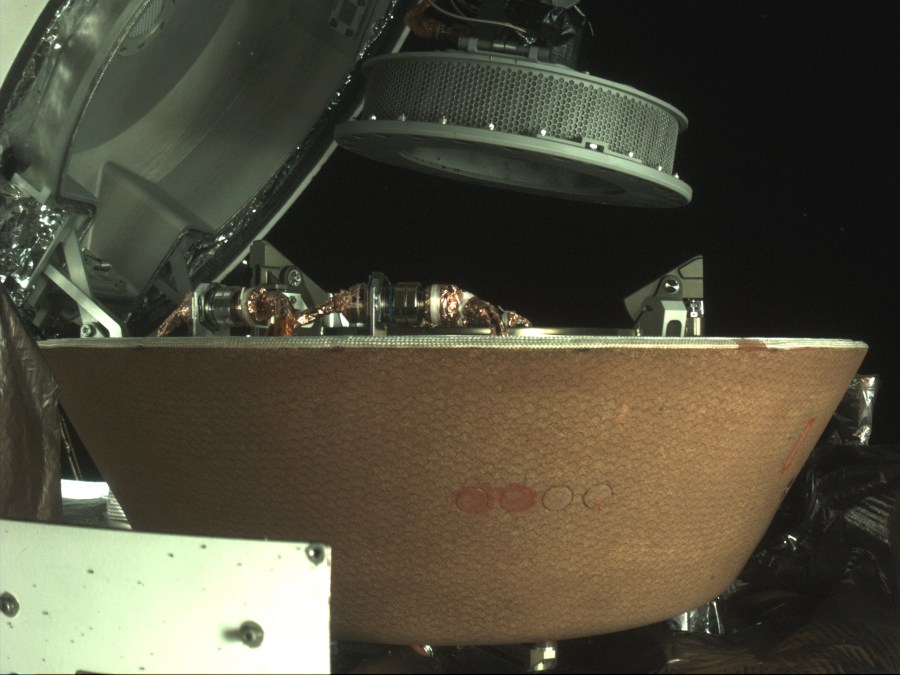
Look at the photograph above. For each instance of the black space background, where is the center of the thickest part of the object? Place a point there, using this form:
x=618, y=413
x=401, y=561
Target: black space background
x=791, y=152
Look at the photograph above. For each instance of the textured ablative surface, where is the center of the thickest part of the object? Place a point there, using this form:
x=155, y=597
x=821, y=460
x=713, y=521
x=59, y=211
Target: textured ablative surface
x=472, y=492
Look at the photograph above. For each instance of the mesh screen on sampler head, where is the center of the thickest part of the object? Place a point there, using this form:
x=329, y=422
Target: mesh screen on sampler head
x=520, y=99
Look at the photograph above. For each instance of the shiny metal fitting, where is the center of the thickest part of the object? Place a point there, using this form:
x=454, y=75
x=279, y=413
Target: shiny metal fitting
x=542, y=656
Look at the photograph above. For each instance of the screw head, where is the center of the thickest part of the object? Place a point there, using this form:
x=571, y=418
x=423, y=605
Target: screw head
x=294, y=278
x=251, y=634
x=9, y=605
x=315, y=553
x=87, y=330
x=671, y=285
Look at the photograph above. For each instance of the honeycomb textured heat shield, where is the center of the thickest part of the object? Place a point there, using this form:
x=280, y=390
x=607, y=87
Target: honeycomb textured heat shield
x=475, y=489
x=519, y=124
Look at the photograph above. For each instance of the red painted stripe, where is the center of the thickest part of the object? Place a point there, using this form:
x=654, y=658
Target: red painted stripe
x=796, y=448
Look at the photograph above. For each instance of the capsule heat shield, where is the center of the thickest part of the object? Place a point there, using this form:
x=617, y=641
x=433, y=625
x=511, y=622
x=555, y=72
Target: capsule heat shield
x=521, y=125
x=475, y=489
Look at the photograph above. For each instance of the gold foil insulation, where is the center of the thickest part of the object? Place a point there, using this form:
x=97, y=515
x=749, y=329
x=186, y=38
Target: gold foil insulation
x=349, y=302
x=272, y=308
x=452, y=306
x=430, y=28
x=444, y=305
x=183, y=314
x=513, y=319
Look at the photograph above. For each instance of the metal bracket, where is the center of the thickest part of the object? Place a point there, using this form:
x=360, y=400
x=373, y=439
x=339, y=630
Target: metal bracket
x=672, y=305
x=73, y=282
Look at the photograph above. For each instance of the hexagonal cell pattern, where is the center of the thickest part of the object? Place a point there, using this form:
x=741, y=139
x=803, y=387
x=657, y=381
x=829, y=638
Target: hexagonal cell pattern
x=518, y=99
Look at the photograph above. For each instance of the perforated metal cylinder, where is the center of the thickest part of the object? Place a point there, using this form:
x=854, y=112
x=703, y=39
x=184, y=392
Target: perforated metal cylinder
x=522, y=97
x=513, y=123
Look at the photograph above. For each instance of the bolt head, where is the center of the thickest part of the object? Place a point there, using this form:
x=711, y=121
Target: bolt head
x=9, y=605
x=316, y=554
x=294, y=278
x=671, y=285
x=251, y=634
x=87, y=330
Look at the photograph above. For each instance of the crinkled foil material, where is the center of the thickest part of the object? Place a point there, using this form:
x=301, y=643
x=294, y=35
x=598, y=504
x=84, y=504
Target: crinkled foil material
x=27, y=228
x=477, y=312
x=29, y=425
x=346, y=302
x=264, y=305
x=852, y=422
x=822, y=591
x=456, y=307
x=461, y=309
x=183, y=314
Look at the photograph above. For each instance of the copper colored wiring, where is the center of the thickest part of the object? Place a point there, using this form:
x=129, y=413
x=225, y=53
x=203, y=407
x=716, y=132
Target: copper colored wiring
x=347, y=301
x=282, y=325
x=429, y=28
x=513, y=319
x=451, y=299
x=477, y=312
x=180, y=315
x=264, y=305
